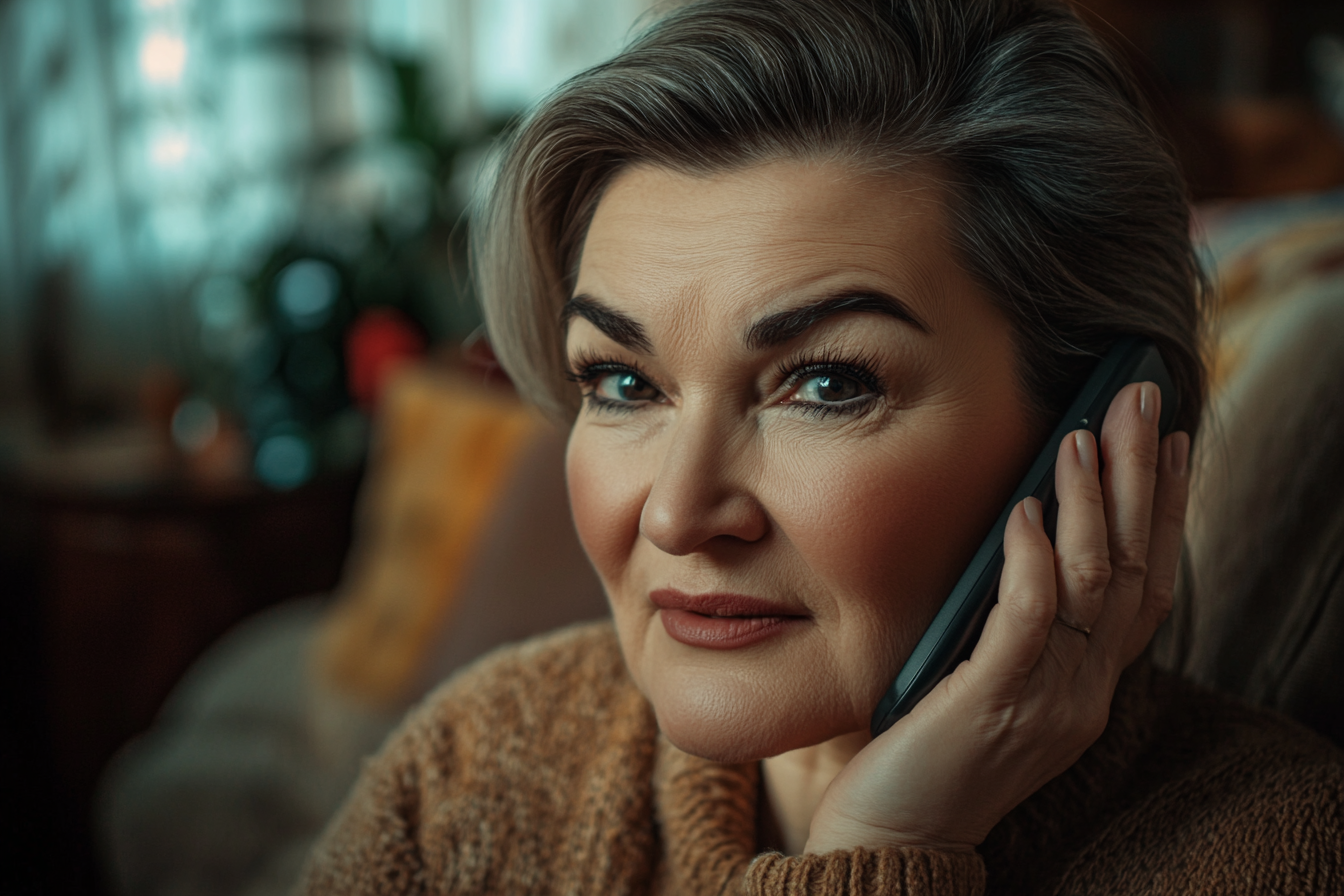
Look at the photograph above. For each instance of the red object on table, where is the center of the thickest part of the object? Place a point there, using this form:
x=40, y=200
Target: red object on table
x=379, y=341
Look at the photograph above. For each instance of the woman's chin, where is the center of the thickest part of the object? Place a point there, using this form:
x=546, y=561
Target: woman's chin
x=723, y=730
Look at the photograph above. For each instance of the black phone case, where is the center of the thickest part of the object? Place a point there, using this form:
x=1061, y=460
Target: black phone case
x=951, y=636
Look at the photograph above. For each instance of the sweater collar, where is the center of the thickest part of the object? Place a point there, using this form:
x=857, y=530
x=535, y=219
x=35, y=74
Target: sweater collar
x=707, y=811
x=707, y=819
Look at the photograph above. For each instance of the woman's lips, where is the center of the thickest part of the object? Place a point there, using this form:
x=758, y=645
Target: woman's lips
x=721, y=621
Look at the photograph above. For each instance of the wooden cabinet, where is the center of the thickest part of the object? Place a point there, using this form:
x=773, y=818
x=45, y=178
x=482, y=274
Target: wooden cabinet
x=109, y=595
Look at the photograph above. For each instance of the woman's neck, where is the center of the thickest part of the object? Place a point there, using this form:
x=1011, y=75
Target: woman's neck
x=793, y=783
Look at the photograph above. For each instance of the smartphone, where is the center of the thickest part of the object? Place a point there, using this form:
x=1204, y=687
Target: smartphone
x=953, y=633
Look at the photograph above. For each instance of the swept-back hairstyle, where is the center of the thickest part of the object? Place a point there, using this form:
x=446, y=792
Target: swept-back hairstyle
x=1064, y=203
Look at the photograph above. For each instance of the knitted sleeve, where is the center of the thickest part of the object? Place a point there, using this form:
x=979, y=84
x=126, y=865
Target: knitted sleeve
x=527, y=772
x=859, y=872
x=371, y=846
x=1228, y=799
x=1233, y=830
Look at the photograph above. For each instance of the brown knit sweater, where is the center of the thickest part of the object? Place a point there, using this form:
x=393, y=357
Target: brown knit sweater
x=540, y=770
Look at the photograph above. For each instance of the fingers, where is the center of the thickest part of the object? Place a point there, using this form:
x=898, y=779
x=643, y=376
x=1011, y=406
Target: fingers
x=1164, y=544
x=1016, y=630
x=1083, y=560
x=1129, y=448
x=1113, y=566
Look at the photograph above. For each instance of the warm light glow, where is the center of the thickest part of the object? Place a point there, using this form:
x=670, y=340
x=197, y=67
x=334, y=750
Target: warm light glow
x=162, y=57
x=170, y=149
x=157, y=4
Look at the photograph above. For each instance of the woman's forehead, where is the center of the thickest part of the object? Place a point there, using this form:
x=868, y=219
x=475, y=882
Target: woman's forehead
x=757, y=240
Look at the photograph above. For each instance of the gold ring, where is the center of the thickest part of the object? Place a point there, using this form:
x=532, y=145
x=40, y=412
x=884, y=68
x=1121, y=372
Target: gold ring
x=1081, y=629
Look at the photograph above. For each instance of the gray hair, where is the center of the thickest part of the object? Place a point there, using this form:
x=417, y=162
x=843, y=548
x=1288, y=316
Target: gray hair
x=1065, y=204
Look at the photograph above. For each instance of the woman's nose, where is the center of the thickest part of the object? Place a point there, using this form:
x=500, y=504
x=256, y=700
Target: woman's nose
x=699, y=493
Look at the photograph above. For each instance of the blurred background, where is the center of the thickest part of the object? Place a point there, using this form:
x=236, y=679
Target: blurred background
x=233, y=285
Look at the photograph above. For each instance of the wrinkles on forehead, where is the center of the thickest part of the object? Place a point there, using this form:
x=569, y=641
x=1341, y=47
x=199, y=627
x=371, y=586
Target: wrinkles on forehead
x=779, y=248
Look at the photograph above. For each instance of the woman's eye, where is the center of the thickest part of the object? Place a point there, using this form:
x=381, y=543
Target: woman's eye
x=624, y=387
x=829, y=388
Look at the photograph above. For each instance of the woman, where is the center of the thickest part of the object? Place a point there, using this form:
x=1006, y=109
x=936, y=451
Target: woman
x=812, y=280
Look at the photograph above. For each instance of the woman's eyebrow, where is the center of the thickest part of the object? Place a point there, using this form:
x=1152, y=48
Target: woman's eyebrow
x=617, y=326
x=782, y=326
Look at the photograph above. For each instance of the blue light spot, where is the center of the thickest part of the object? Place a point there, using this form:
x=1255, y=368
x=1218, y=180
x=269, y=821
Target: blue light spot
x=306, y=291
x=284, y=461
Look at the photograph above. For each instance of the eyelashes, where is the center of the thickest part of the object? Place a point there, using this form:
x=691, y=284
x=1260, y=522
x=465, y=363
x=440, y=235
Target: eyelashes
x=589, y=370
x=587, y=365
x=795, y=370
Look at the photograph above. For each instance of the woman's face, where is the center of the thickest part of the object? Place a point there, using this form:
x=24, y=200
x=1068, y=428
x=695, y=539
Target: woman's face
x=801, y=417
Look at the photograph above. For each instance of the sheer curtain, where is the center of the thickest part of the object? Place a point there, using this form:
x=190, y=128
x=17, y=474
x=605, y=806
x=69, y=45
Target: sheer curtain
x=150, y=145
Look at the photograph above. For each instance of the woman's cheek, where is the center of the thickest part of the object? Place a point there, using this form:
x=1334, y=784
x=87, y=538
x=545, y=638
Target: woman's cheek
x=606, y=500
x=872, y=513
x=885, y=538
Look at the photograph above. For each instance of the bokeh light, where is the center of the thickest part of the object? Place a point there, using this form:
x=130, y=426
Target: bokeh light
x=195, y=425
x=306, y=292
x=284, y=461
x=170, y=149
x=163, y=56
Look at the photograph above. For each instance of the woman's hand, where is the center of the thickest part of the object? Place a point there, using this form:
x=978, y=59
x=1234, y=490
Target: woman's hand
x=1036, y=692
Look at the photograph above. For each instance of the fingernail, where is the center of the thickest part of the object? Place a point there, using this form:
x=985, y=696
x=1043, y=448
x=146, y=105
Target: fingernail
x=1087, y=450
x=1180, y=453
x=1032, y=508
x=1150, y=399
